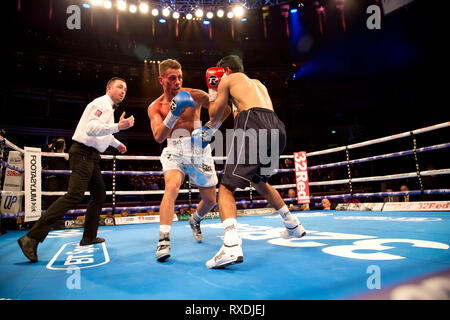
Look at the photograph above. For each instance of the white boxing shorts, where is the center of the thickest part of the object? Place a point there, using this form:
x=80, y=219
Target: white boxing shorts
x=197, y=164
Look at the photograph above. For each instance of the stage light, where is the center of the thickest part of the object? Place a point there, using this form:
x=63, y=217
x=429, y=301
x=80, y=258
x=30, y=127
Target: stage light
x=166, y=12
x=162, y=20
x=96, y=2
x=86, y=5
x=209, y=15
x=199, y=13
x=244, y=19
x=293, y=10
x=220, y=13
x=206, y=22
x=143, y=7
x=132, y=8
x=121, y=5
x=107, y=4
x=230, y=15
x=176, y=15
x=155, y=12
x=238, y=11
x=189, y=16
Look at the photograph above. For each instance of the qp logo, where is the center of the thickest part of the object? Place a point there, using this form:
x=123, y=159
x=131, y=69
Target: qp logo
x=9, y=202
x=72, y=255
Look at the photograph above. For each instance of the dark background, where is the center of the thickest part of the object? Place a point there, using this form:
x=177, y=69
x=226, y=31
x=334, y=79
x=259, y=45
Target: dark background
x=359, y=83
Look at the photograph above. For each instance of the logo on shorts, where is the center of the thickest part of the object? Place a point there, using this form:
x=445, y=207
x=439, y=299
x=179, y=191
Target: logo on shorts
x=206, y=168
x=213, y=80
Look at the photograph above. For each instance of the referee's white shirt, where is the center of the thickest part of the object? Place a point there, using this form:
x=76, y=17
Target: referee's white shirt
x=96, y=126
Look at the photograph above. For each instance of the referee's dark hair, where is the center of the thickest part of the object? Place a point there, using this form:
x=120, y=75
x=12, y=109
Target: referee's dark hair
x=114, y=79
x=233, y=62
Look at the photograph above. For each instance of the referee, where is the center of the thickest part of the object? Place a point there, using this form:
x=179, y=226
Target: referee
x=94, y=133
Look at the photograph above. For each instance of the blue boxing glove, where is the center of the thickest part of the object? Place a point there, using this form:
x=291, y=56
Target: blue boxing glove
x=201, y=137
x=180, y=102
x=178, y=105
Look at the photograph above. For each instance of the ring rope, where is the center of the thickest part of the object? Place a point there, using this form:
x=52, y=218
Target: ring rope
x=356, y=195
x=379, y=140
x=317, y=167
x=342, y=181
x=310, y=154
x=381, y=157
x=381, y=178
x=285, y=186
x=331, y=197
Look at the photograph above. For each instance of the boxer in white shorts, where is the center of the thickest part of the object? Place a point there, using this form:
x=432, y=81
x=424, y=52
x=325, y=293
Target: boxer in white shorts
x=197, y=164
x=173, y=116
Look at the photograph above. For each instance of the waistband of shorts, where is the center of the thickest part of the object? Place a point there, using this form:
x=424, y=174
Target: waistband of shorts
x=183, y=146
x=258, y=109
x=179, y=142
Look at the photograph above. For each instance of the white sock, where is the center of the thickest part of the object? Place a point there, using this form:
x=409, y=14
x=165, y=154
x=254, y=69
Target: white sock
x=164, y=228
x=231, y=236
x=284, y=212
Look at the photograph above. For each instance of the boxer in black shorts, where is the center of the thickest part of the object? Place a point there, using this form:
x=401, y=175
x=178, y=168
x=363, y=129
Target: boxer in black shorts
x=251, y=159
x=259, y=138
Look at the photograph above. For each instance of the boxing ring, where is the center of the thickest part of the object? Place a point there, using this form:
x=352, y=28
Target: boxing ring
x=365, y=250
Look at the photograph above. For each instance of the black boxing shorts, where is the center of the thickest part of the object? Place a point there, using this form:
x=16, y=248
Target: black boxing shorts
x=259, y=138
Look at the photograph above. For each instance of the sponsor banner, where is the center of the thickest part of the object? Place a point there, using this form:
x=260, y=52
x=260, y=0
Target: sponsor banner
x=139, y=219
x=392, y=5
x=417, y=206
x=211, y=215
x=12, y=215
x=71, y=223
x=107, y=221
x=256, y=212
x=32, y=184
x=384, y=218
x=72, y=255
x=301, y=177
x=79, y=223
x=370, y=206
x=11, y=203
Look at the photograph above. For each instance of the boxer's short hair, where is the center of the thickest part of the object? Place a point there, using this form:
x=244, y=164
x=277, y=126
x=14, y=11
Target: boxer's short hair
x=168, y=64
x=233, y=62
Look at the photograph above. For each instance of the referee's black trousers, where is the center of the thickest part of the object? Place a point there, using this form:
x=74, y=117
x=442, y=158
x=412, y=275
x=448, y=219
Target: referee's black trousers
x=86, y=175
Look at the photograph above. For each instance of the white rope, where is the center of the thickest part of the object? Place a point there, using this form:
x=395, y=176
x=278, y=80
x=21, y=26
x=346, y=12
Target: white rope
x=308, y=154
x=379, y=140
x=382, y=178
x=281, y=186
